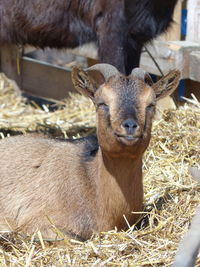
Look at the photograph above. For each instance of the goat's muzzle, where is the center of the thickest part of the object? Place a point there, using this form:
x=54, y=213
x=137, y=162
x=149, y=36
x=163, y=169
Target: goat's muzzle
x=129, y=132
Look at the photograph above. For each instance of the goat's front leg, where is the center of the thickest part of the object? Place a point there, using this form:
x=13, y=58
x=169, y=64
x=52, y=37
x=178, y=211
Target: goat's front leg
x=111, y=31
x=133, y=51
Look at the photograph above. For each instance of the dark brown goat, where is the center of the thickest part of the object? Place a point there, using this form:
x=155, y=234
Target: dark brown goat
x=85, y=185
x=120, y=27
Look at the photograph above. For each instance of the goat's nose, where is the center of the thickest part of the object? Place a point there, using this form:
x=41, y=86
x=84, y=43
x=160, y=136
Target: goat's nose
x=130, y=125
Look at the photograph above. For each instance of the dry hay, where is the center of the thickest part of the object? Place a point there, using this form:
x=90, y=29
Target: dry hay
x=72, y=115
x=170, y=193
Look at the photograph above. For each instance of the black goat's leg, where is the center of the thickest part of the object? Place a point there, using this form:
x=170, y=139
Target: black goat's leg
x=111, y=27
x=132, y=55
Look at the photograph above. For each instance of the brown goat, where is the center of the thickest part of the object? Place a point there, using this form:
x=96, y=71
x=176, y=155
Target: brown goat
x=84, y=185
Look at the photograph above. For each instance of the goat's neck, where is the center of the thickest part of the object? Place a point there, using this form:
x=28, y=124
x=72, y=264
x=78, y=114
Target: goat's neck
x=119, y=187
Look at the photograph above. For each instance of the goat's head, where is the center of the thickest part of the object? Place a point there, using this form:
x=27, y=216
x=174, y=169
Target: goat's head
x=125, y=105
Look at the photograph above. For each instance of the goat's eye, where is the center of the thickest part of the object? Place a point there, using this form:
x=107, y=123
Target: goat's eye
x=102, y=105
x=150, y=107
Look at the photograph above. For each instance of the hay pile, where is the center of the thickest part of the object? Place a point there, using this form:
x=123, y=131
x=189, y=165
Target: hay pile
x=72, y=115
x=170, y=193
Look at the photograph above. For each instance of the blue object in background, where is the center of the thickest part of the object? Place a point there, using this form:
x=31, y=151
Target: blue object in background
x=181, y=90
x=183, y=22
x=153, y=77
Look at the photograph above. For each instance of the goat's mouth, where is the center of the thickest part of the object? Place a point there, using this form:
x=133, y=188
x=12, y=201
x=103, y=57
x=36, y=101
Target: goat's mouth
x=128, y=139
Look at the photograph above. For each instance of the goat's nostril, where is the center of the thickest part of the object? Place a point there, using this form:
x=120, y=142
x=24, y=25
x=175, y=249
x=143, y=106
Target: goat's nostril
x=129, y=124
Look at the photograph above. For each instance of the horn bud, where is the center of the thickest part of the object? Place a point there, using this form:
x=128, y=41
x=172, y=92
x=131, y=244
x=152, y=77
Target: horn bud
x=142, y=74
x=106, y=70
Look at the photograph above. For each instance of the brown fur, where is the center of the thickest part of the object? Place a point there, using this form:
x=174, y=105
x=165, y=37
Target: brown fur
x=81, y=187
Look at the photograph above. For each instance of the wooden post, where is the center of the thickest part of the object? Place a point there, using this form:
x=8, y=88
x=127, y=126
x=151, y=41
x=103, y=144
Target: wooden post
x=10, y=62
x=193, y=21
x=174, y=33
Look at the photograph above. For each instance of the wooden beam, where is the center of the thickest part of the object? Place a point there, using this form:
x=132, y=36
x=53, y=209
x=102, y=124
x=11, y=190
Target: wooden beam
x=170, y=55
x=194, y=69
x=34, y=76
x=45, y=80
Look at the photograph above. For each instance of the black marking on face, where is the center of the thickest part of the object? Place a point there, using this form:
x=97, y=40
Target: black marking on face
x=128, y=99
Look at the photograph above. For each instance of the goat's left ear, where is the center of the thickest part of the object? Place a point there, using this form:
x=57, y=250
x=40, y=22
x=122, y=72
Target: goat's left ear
x=86, y=82
x=167, y=84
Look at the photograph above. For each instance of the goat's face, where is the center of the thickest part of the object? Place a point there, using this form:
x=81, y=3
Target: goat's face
x=125, y=105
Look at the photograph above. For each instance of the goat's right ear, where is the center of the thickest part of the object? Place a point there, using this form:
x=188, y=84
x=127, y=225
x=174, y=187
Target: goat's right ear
x=86, y=82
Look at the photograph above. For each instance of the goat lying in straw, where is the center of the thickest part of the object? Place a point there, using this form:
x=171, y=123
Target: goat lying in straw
x=86, y=185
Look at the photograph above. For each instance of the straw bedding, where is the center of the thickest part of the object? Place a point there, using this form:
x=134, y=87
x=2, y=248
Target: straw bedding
x=171, y=195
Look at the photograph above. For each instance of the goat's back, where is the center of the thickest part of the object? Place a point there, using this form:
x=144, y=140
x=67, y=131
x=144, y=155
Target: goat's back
x=44, y=23
x=42, y=178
